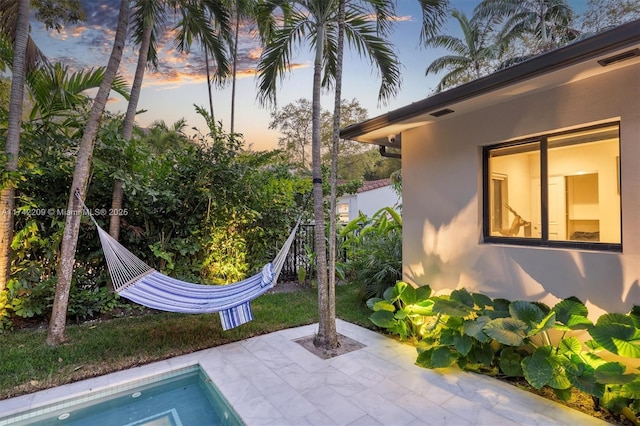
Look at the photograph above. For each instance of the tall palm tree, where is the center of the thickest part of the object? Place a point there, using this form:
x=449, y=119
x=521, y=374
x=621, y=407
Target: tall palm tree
x=242, y=9
x=57, y=324
x=335, y=139
x=14, y=25
x=207, y=22
x=469, y=55
x=316, y=23
x=204, y=21
x=7, y=196
x=547, y=21
x=147, y=19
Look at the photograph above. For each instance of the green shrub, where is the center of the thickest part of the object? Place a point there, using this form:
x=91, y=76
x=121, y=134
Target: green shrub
x=519, y=339
x=374, y=250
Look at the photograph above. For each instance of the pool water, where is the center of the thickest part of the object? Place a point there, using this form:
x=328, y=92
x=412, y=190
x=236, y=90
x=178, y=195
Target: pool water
x=189, y=398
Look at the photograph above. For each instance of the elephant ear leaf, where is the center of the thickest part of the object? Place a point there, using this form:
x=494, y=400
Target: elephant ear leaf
x=383, y=305
x=635, y=315
x=384, y=319
x=528, y=312
x=373, y=301
x=423, y=292
x=617, y=334
x=401, y=291
x=447, y=306
x=408, y=294
x=537, y=369
x=567, y=308
x=546, y=323
x=613, y=373
x=463, y=296
x=508, y=331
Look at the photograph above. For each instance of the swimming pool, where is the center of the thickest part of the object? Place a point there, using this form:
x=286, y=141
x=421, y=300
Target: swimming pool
x=180, y=398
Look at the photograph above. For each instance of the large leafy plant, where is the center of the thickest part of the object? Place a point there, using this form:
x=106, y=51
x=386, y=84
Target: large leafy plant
x=374, y=250
x=520, y=339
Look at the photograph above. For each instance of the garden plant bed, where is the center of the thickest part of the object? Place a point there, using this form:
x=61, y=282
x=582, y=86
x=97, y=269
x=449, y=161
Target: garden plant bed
x=579, y=401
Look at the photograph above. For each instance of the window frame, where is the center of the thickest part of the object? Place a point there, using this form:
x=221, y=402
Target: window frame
x=544, y=240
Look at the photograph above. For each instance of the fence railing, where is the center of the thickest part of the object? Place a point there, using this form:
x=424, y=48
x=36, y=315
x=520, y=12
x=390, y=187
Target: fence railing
x=300, y=255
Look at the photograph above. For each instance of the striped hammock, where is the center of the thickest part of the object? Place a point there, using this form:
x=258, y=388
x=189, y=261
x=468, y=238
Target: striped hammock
x=137, y=281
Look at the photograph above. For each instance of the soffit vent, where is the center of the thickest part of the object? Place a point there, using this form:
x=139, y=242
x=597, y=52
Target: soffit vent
x=620, y=57
x=441, y=112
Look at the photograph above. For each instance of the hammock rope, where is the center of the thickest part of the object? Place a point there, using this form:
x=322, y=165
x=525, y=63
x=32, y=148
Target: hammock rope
x=133, y=279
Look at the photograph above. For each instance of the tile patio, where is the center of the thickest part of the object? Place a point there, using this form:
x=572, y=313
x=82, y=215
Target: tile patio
x=272, y=380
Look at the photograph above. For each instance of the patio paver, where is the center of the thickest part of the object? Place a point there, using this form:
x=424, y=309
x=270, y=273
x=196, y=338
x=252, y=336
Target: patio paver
x=272, y=380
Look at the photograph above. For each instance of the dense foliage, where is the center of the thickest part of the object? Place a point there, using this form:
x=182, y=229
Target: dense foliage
x=201, y=209
x=520, y=339
x=373, y=248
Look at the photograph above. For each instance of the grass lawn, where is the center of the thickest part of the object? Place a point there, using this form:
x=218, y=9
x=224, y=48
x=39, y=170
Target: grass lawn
x=28, y=364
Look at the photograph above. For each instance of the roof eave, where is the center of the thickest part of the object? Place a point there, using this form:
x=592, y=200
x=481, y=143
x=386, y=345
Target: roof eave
x=589, y=48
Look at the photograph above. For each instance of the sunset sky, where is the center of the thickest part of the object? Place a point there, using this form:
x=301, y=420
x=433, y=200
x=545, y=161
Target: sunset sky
x=170, y=93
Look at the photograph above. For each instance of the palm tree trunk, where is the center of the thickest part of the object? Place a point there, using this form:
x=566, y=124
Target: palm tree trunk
x=12, y=144
x=543, y=29
x=206, y=62
x=127, y=126
x=57, y=325
x=324, y=338
x=331, y=327
x=234, y=74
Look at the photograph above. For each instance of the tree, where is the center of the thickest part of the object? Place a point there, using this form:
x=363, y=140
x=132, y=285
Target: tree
x=547, y=21
x=603, y=14
x=316, y=22
x=147, y=17
x=206, y=21
x=330, y=309
x=470, y=57
x=7, y=196
x=57, y=325
x=294, y=122
x=434, y=13
x=14, y=24
x=351, y=112
x=57, y=92
x=242, y=9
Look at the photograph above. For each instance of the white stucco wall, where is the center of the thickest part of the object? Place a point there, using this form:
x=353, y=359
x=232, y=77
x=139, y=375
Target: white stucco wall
x=369, y=202
x=442, y=192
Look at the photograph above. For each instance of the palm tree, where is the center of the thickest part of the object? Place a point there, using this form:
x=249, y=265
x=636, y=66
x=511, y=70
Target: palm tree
x=14, y=25
x=316, y=22
x=205, y=21
x=147, y=19
x=57, y=92
x=434, y=13
x=208, y=22
x=7, y=196
x=335, y=139
x=547, y=21
x=469, y=58
x=57, y=325
x=161, y=137
x=219, y=77
x=242, y=9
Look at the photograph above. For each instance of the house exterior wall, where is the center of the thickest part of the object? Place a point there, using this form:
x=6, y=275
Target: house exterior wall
x=369, y=202
x=442, y=207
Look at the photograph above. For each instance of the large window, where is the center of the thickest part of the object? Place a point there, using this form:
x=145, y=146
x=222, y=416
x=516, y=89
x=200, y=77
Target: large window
x=556, y=190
